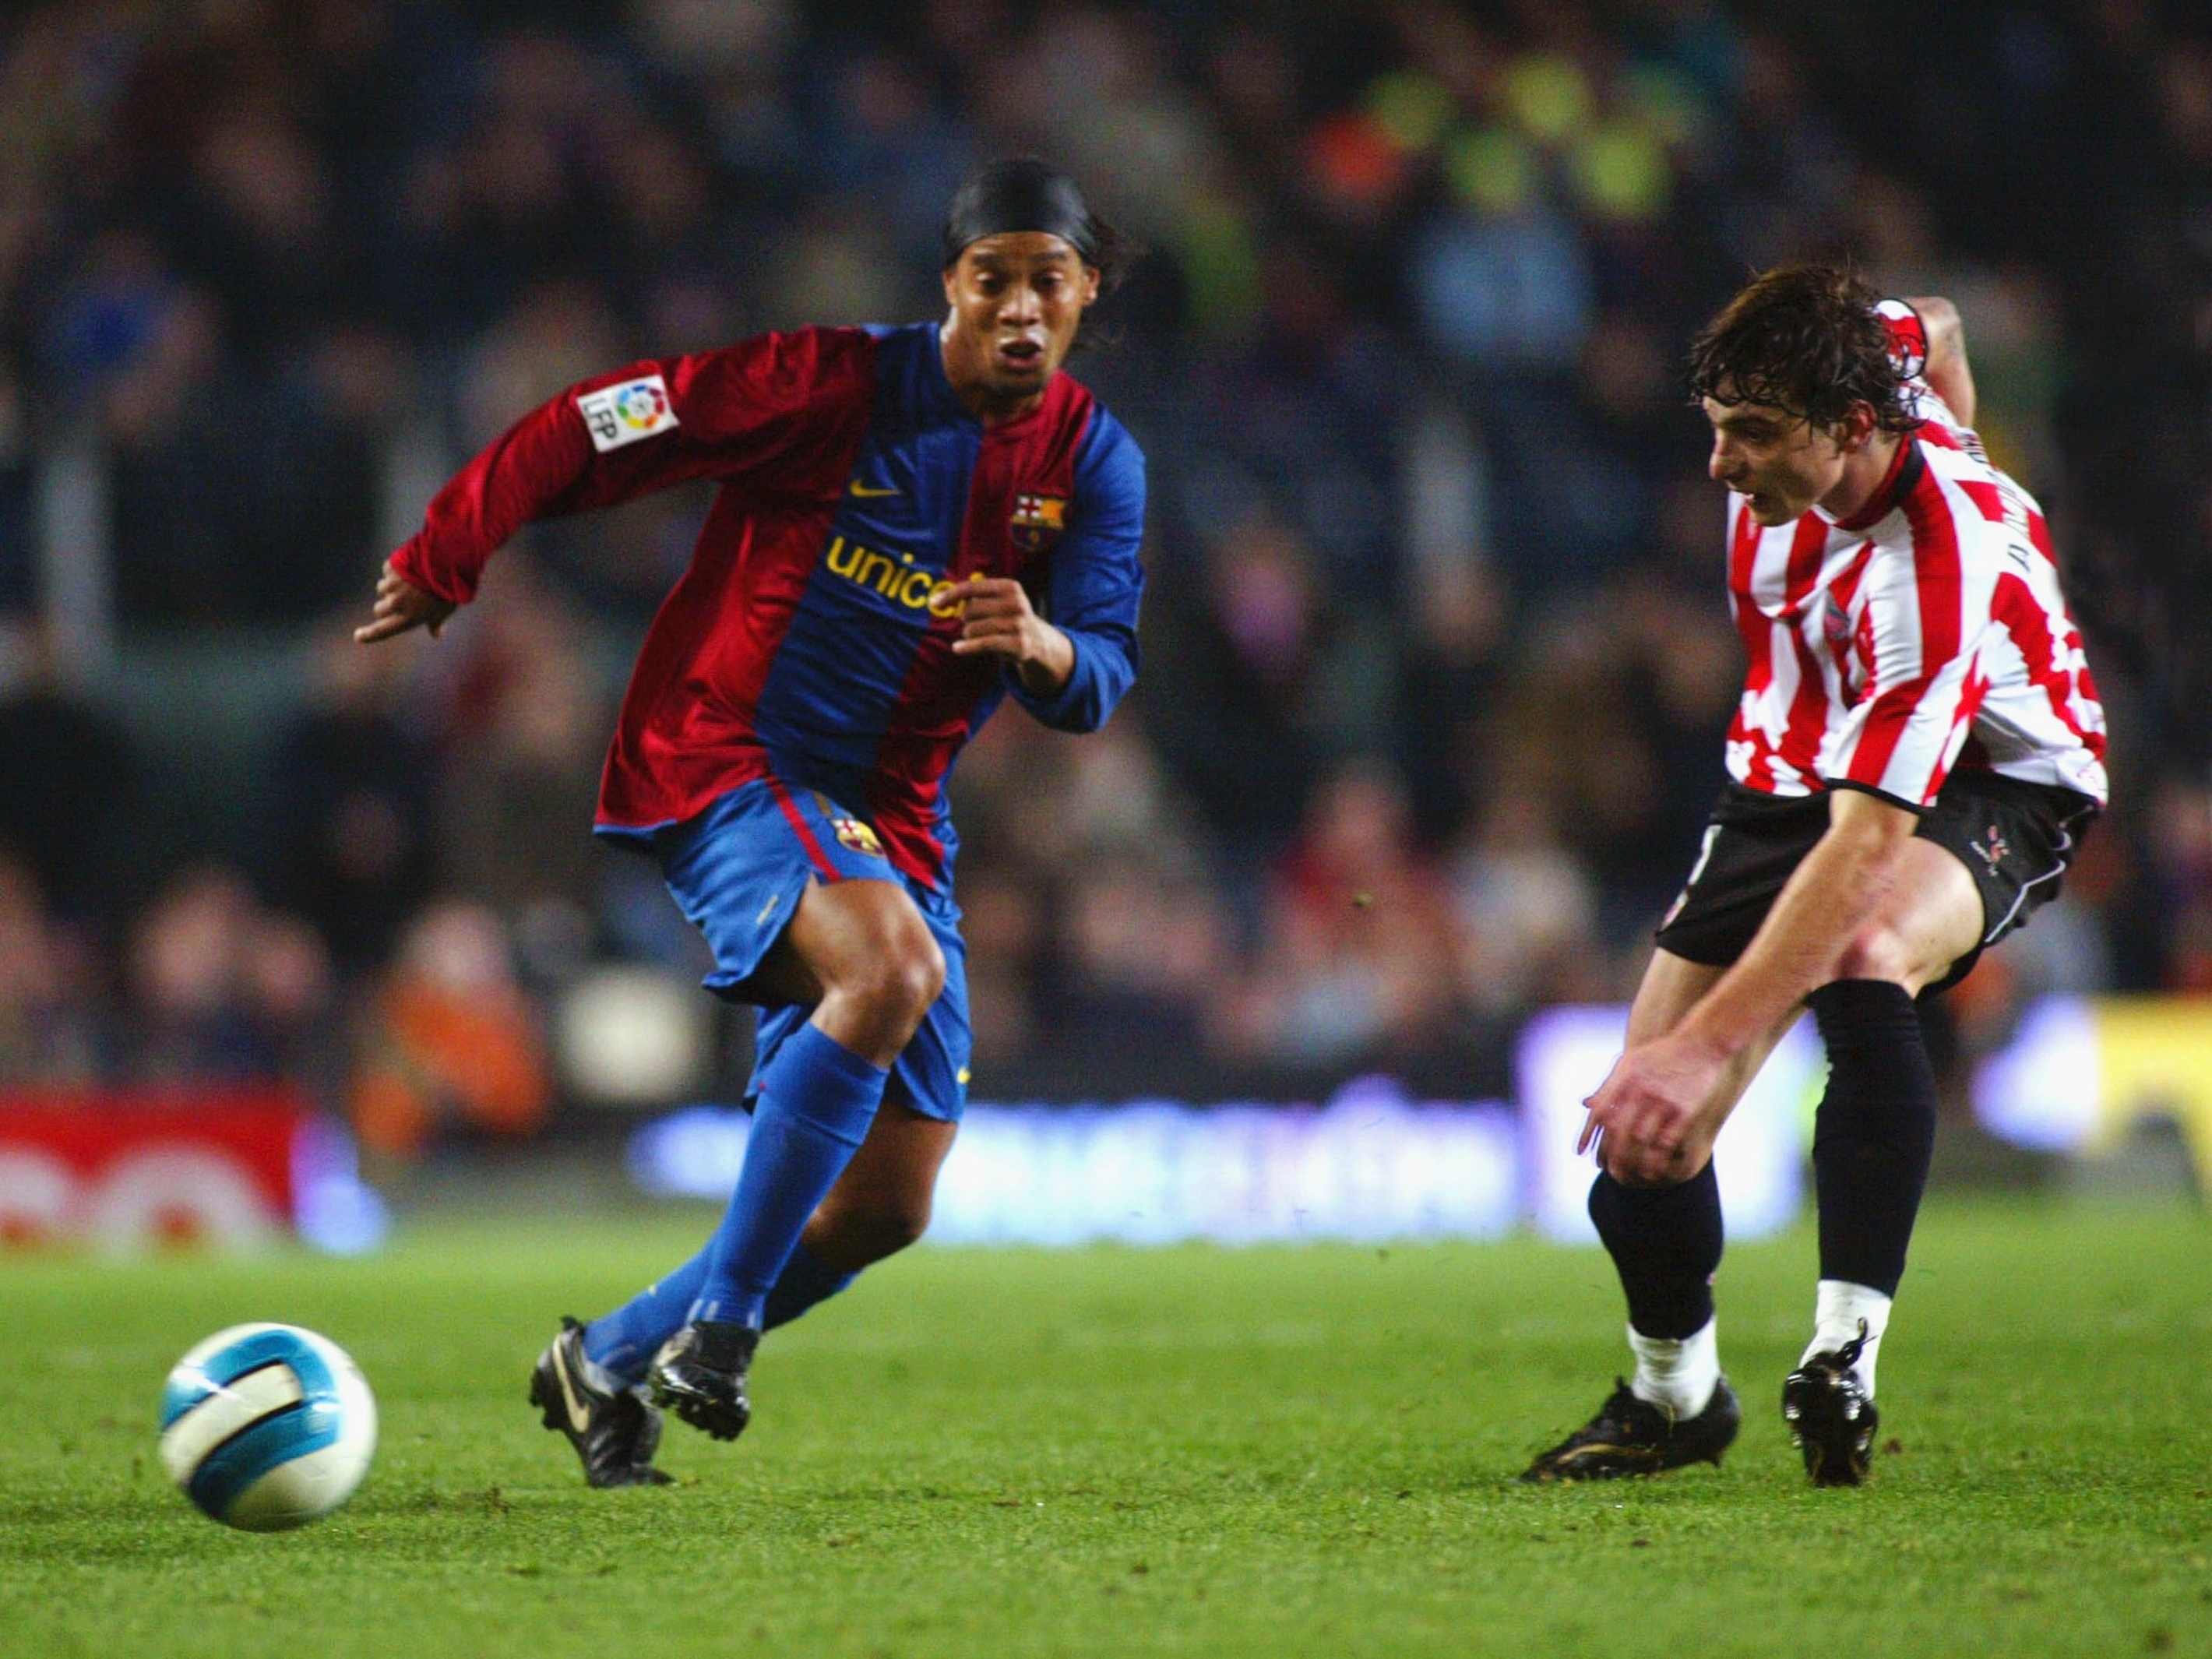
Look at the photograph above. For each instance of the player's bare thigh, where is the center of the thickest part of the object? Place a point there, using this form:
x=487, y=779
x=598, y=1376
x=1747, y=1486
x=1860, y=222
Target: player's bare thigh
x=1671, y=987
x=860, y=953
x=1930, y=917
x=833, y=924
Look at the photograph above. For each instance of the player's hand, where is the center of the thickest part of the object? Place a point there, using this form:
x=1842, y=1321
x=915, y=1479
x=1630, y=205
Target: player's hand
x=401, y=605
x=997, y=620
x=1649, y=1118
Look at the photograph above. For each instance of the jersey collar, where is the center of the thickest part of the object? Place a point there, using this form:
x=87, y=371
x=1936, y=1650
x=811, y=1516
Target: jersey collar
x=1905, y=470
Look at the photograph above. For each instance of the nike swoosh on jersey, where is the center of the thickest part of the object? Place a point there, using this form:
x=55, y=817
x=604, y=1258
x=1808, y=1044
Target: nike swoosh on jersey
x=866, y=491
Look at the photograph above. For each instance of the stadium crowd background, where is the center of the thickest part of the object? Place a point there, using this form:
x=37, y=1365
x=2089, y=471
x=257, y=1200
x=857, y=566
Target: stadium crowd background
x=1436, y=660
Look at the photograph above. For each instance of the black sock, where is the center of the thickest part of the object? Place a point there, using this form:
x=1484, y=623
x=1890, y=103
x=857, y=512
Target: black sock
x=1666, y=1245
x=1876, y=1131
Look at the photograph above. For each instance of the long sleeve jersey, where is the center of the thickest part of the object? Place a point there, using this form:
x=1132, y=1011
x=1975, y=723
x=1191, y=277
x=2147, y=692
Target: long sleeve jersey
x=811, y=637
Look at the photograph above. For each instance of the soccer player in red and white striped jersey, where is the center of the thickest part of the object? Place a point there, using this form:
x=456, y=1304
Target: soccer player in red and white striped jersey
x=1950, y=569
x=1917, y=752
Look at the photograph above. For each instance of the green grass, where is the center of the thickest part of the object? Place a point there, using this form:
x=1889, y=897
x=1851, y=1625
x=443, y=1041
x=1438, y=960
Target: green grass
x=1193, y=1451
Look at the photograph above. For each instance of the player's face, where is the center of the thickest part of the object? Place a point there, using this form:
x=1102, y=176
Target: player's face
x=1781, y=464
x=1016, y=299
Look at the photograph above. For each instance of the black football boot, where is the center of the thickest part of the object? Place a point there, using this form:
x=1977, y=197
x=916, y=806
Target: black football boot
x=1831, y=1420
x=699, y=1374
x=1630, y=1436
x=614, y=1434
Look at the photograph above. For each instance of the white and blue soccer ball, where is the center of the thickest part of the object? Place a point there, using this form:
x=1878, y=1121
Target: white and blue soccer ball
x=267, y=1427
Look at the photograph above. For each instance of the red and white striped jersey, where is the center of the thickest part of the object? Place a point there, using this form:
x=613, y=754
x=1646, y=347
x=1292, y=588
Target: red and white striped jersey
x=1926, y=633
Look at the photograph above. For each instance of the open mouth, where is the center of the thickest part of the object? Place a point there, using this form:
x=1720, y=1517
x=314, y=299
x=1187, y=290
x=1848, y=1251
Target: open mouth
x=1021, y=354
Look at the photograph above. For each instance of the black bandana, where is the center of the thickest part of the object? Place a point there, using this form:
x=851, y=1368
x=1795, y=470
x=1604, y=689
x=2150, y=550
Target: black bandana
x=1019, y=195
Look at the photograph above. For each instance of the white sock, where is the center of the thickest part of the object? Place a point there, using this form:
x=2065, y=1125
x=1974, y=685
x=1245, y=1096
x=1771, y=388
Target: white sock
x=1679, y=1377
x=1838, y=1307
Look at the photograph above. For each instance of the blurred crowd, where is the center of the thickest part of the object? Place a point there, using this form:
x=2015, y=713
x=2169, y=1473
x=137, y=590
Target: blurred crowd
x=1437, y=662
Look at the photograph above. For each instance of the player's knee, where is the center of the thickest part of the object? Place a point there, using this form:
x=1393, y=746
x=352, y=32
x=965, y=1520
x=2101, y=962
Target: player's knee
x=895, y=969
x=907, y=977
x=1652, y=1176
x=1877, y=951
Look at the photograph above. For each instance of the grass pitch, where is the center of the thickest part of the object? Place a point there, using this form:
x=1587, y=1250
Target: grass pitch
x=1192, y=1451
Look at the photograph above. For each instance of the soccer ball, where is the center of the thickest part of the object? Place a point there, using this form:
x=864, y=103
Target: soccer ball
x=267, y=1427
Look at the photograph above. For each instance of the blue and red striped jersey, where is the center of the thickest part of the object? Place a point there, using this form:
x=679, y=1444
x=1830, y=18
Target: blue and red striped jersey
x=810, y=639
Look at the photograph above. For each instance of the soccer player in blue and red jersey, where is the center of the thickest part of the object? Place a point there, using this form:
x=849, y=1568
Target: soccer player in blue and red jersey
x=912, y=524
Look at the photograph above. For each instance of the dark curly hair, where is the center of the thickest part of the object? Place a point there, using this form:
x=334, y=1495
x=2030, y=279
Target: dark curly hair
x=1806, y=339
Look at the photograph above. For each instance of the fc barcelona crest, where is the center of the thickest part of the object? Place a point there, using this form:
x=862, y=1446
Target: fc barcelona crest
x=1037, y=521
x=856, y=837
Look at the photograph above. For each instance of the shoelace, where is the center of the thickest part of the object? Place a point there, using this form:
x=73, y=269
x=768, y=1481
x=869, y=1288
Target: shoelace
x=1848, y=1355
x=1623, y=1421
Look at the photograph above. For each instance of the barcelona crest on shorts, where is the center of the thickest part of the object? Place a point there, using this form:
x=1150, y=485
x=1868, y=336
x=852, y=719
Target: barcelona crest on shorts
x=1037, y=521
x=856, y=837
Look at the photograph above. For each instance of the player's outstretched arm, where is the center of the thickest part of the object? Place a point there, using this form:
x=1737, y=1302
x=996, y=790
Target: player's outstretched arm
x=400, y=606
x=1948, y=375
x=790, y=403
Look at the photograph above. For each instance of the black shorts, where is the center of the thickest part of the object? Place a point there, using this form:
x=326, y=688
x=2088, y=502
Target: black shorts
x=2015, y=839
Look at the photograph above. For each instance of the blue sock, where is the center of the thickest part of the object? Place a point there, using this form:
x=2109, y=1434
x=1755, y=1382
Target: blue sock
x=816, y=1100
x=805, y=1281
x=623, y=1342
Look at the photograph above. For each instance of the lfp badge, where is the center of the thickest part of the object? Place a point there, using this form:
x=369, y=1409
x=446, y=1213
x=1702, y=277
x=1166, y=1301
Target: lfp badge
x=619, y=414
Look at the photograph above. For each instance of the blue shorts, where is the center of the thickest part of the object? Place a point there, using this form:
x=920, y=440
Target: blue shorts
x=737, y=870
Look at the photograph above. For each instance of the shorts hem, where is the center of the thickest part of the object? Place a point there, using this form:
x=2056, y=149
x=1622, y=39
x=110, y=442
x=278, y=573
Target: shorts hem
x=1882, y=795
x=1714, y=958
